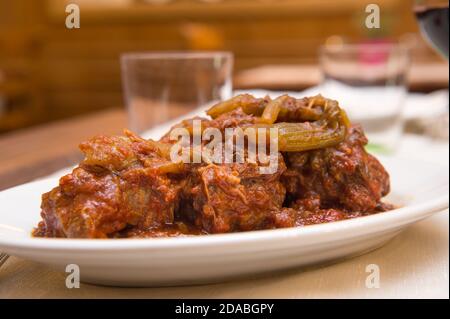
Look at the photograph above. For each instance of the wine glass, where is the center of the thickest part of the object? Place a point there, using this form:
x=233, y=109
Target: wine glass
x=433, y=21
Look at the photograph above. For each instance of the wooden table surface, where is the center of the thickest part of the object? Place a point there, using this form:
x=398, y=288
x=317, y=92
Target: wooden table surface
x=31, y=153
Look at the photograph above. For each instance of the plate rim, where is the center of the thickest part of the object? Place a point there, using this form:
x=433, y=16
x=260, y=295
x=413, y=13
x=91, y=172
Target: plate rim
x=393, y=218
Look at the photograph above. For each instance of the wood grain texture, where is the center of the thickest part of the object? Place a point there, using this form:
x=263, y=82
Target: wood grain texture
x=67, y=72
x=412, y=265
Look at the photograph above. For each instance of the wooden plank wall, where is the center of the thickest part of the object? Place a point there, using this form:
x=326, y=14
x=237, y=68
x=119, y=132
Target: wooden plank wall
x=50, y=72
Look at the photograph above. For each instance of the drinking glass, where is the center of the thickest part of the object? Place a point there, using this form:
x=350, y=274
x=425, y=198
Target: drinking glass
x=160, y=86
x=369, y=81
x=433, y=20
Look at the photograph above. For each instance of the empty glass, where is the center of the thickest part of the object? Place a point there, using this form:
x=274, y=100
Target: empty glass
x=160, y=86
x=369, y=81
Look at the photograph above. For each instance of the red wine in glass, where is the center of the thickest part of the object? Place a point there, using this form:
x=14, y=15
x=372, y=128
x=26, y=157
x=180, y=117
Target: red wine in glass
x=433, y=21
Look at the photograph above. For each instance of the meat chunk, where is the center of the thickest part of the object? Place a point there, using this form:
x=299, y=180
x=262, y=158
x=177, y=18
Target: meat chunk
x=309, y=211
x=221, y=198
x=233, y=119
x=236, y=197
x=129, y=187
x=343, y=176
x=119, y=183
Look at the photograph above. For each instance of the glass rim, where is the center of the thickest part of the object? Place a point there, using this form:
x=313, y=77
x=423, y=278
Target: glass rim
x=175, y=55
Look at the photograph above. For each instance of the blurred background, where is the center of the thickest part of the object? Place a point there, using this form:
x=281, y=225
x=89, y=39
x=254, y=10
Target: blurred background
x=49, y=72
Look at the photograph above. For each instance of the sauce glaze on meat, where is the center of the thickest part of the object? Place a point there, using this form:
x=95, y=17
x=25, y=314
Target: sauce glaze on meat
x=127, y=186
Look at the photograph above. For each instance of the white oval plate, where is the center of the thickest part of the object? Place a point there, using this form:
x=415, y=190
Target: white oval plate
x=421, y=188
